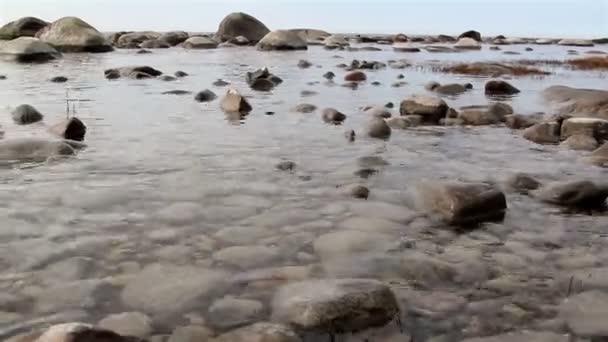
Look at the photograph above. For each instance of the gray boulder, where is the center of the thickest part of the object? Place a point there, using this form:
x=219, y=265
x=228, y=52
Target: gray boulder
x=25, y=114
x=582, y=142
x=282, y=40
x=28, y=49
x=462, y=203
x=173, y=38
x=430, y=108
x=377, y=128
x=135, y=39
x=241, y=24
x=228, y=312
x=575, y=42
x=199, y=42
x=234, y=102
x=305, y=108
x=136, y=72
x=71, y=34
x=498, y=87
x=518, y=121
x=154, y=44
x=23, y=27
x=484, y=115
x=578, y=194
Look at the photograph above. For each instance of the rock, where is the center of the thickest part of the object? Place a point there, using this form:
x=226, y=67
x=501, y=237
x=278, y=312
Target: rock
x=28, y=49
x=262, y=84
x=399, y=84
x=282, y=40
x=378, y=112
x=312, y=36
x=529, y=49
x=77, y=332
x=484, y=115
x=471, y=34
x=33, y=149
x=600, y=41
x=136, y=72
x=305, y=108
x=335, y=305
x=335, y=41
x=286, y=166
x=220, y=83
x=262, y=80
x=2, y=77
x=71, y=34
x=200, y=43
x=350, y=135
x=528, y=336
x=25, y=114
x=330, y=115
x=579, y=102
x=599, y=157
x=544, y=133
x=329, y=75
x=346, y=243
x=585, y=314
x=355, y=76
x=173, y=38
x=154, y=44
x=358, y=191
x=180, y=74
x=523, y=183
x=241, y=24
x=404, y=121
x=23, y=27
x=462, y=203
x=246, y=256
x=467, y=44
x=234, y=102
x=260, y=332
x=59, y=79
x=577, y=194
x=406, y=49
x=167, y=78
x=518, y=121
x=378, y=128
x=167, y=290
x=440, y=49
x=493, y=69
x=70, y=129
x=430, y=108
x=228, y=312
x=452, y=89
x=134, y=324
x=304, y=64
x=239, y=41
x=190, y=333
x=400, y=38
x=75, y=295
x=593, y=127
x=176, y=92
x=497, y=87
x=205, y=96
x=544, y=41
x=133, y=40
x=575, y=42
x=581, y=142
x=494, y=48
x=143, y=52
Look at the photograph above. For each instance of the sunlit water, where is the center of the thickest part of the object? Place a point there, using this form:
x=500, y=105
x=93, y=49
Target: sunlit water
x=162, y=175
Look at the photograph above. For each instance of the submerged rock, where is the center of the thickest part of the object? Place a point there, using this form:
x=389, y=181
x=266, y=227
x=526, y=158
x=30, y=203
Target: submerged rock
x=70, y=129
x=220, y=83
x=34, y=149
x=241, y=24
x=23, y=27
x=135, y=324
x=599, y=157
x=199, y=42
x=228, y=312
x=335, y=305
x=452, y=89
x=578, y=194
x=205, y=96
x=304, y=64
x=282, y=40
x=71, y=34
x=358, y=191
x=523, y=183
x=167, y=78
x=234, y=102
x=26, y=114
x=305, y=108
x=430, y=108
x=331, y=115
x=462, y=203
x=260, y=332
x=286, y=166
x=497, y=87
x=28, y=49
x=585, y=314
x=180, y=74
x=177, y=92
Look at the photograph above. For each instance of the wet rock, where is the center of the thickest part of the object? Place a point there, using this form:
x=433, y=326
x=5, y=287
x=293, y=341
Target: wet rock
x=523, y=183
x=409, y=49
x=335, y=306
x=205, y=96
x=28, y=49
x=365, y=173
x=404, y=121
x=25, y=114
x=180, y=74
x=351, y=85
x=305, y=108
x=176, y=92
x=23, y=27
x=133, y=40
x=246, y=256
x=241, y=24
x=497, y=87
x=471, y=34
x=579, y=102
x=286, y=166
x=136, y=72
x=599, y=157
x=154, y=44
x=467, y=44
x=33, y=149
x=191, y=333
x=304, y=64
x=358, y=191
x=378, y=112
x=329, y=75
x=234, y=102
x=355, y=76
x=2, y=77
x=529, y=49
x=167, y=290
x=593, y=127
x=262, y=80
x=577, y=194
x=134, y=324
x=462, y=203
x=494, y=48
x=400, y=38
x=518, y=121
x=582, y=142
x=167, y=78
x=331, y=115
x=59, y=79
x=173, y=38
x=228, y=312
x=239, y=41
x=431, y=109
x=220, y=83
x=575, y=42
x=378, y=128
x=199, y=42
x=544, y=133
x=261, y=332
x=452, y=89
x=70, y=129
x=335, y=41
x=493, y=69
x=282, y=40
x=528, y=336
x=76, y=332
x=585, y=314
x=71, y=34
x=484, y=115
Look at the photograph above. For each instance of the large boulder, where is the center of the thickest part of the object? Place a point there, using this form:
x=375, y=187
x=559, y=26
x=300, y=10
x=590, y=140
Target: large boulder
x=378, y=128
x=462, y=203
x=26, y=114
x=471, y=34
x=173, y=38
x=578, y=101
x=577, y=194
x=199, y=42
x=136, y=72
x=23, y=27
x=28, y=49
x=547, y=132
x=71, y=34
x=596, y=128
x=467, y=44
x=282, y=40
x=575, y=42
x=33, y=149
x=432, y=109
x=70, y=129
x=234, y=102
x=335, y=305
x=499, y=87
x=133, y=40
x=241, y=24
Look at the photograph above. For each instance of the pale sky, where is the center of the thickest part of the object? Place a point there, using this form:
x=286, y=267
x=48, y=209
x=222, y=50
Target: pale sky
x=537, y=18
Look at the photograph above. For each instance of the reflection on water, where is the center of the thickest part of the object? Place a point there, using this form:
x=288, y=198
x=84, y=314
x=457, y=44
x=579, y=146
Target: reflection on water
x=174, y=205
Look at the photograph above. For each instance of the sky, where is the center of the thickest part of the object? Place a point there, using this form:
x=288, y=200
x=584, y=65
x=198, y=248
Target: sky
x=524, y=18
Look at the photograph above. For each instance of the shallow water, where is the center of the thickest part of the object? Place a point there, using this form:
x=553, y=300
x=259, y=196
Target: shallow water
x=163, y=178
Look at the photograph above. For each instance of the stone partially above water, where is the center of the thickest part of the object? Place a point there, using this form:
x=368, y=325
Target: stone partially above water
x=578, y=194
x=241, y=24
x=452, y=89
x=228, y=312
x=462, y=203
x=544, y=132
x=28, y=49
x=594, y=127
x=71, y=34
x=331, y=115
x=578, y=101
x=205, y=96
x=200, y=42
x=335, y=305
x=282, y=40
x=430, y=108
x=135, y=72
x=467, y=44
x=76, y=332
x=26, y=114
x=70, y=129
x=377, y=128
x=575, y=42
x=234, y=102
x=499, y=87
x=471, y=34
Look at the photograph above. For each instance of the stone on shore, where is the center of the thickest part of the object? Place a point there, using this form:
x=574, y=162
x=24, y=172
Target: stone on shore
x=544, y=133
x=23, y=27
x=577, y=194
x=451, y=89
x=234, y=102
x=335, y=305
x=459, y=203
x=355, y=76
x=173, y=38
x=71, y=34
x=199, y=42
x=523, y=183
x=499, y=87
x=28, y=49
x=335, y=41
x=133, y=40
x=282, y=40
x=518, y=121
x=471, y=34
x=241, y=24
x=581, y=142
x=70, y=129
x=26, y=114
x=430, y=108
x=467, y=44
